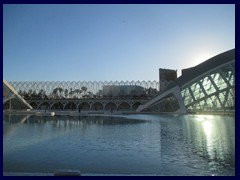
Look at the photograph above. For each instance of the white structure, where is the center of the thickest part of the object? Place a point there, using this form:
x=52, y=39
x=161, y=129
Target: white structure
x=12, y=100
x=209, y=86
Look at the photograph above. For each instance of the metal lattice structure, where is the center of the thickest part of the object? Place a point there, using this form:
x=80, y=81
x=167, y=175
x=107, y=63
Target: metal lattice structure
x=70, y=89
x=209, y=86
x=213, y=90
x=12, y=100
x=96, y=96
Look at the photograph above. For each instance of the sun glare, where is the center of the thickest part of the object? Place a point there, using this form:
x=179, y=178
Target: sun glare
x=201, y=57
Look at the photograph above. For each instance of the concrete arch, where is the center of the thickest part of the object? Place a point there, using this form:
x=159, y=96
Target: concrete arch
x=136, y=105
x=84, y=106
x=124, y=107
x=97, y=106
x=14, y=103
x=34, y=105
x=174, y=92
x=44, y=105
x=57, y=105
x=110, y=106
x=202, y=87
x=70, y=106
x=6, y=105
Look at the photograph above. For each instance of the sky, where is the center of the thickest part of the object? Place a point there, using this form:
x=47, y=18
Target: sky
x=111, y=42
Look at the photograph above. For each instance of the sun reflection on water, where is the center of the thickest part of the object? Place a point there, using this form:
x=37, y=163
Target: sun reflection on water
x=207, y=128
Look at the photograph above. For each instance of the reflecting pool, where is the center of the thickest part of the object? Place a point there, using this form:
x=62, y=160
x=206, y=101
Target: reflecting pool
x=129, y=144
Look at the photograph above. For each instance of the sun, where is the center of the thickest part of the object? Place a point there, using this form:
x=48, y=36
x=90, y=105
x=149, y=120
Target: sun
x=201, y=57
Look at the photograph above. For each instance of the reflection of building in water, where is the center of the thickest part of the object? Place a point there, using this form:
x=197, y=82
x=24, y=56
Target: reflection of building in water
x=211, y=137
x=88, y=120
x=122, y=90
x=171, y=138
x=16, y=119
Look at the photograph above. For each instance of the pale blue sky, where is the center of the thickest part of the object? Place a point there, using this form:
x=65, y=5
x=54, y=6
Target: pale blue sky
x=111, y=42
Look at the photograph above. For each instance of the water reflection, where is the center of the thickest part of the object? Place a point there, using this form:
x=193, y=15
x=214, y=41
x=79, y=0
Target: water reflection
x=14, y=119
x=211, y=137
x=68, y=121
x=148, y=144
x=17, y=120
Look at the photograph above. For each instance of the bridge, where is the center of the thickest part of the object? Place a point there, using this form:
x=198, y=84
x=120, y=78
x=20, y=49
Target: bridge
x=102, y=104
x=12, y=99
x=209, y=86
x=99, y=96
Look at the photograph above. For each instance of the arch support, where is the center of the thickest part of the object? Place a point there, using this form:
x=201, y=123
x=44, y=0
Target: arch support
x=164, y=98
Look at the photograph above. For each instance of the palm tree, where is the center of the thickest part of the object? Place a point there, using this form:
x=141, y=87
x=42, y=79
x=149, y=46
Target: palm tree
x=84, y=88
x=66, y=93
x=41, y=93
x=71, y=92
x=78, y=91
x=60, y=91
x=55, y=92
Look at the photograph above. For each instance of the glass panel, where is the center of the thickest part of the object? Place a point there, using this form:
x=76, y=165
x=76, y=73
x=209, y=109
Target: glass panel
x=230, y=102
x=208, y=86
x=187, y=96
x=222, y=96
x=216, y=103
x=219, y=81
x=197, y=91
x=231, y=79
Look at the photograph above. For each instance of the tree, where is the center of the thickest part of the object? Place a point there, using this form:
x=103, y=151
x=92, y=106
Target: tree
x=54, y=93
x=20, y=93
x=57, y=92
x=34, y=92
x=71, y=92
x=66, y=93
x=151, y=92
x=78, y=91
x=83, y=91
x=90, y=94
x=84, y=88
x=30, y=93
x=60, y=91
x=99, y=93
x=42, y=93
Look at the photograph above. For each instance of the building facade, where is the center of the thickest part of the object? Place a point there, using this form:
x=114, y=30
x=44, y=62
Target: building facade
x=166, y=76
x=209, y=86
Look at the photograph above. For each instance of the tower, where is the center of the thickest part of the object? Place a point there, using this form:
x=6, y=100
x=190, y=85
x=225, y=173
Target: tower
x=166, y=76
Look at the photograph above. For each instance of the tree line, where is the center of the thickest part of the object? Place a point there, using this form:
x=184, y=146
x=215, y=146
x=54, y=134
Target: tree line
x=83, y=93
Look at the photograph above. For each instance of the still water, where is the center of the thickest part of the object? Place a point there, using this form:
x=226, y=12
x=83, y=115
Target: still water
x=131, y=144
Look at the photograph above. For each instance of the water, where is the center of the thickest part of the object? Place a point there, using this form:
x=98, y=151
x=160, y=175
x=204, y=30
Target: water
x=131, y=144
